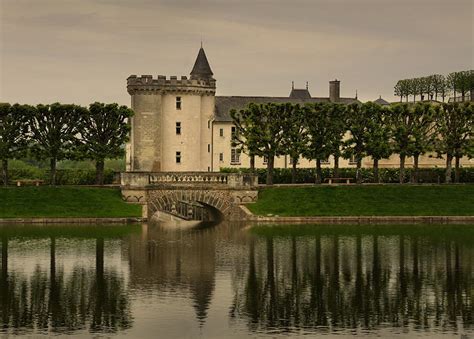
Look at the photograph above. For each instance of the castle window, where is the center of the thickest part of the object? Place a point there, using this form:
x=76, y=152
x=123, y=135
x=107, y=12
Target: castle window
x=233, y=132
x=221, y=132
x=265, y=160
x=208, y=148
x=221, y=157
x=325, y=161
x=352, y=160
x=208, y=124
x=235, y=156
x=178, y=157
x=178, y=128
x=178, y=102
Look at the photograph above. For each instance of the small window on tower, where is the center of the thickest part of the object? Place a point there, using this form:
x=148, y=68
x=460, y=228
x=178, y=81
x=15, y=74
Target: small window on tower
x=221, y=132
x=178, y=128
x=208, y=148
x=221, y=157
x=178, y=102
x=178, y=157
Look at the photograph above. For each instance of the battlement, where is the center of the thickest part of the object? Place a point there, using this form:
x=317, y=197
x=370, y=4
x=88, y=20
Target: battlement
x=171, y=84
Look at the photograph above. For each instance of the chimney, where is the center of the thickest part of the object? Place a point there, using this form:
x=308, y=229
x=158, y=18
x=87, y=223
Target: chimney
x=334, y=88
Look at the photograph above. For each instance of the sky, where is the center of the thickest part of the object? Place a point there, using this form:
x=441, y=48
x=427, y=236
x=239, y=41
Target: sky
x=81, y=51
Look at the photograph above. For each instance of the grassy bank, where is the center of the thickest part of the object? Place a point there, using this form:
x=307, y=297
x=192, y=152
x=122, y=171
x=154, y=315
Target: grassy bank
x=60, y=202
x=366, y=200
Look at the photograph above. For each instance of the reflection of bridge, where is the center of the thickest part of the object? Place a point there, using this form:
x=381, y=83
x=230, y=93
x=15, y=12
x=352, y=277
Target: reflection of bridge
x=190, y=195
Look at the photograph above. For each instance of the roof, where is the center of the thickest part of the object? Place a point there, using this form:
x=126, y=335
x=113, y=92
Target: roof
x=201, y=68
x=300, y=93
x=381, y=101
x=225, y=103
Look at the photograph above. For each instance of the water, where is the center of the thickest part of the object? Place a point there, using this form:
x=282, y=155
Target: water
x=232, y=280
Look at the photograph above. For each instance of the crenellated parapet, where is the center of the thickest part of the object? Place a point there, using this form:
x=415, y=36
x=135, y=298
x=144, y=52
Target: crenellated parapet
x=162, y=84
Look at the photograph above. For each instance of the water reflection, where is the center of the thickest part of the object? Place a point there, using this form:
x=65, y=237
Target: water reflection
x=359, y=283
x=63, y=298
x=228, y=280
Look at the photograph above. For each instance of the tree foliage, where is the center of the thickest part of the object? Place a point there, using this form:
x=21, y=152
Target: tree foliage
x=103, y=130
x=13, y=134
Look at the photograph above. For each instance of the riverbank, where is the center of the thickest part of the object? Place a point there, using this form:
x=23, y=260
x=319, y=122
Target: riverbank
x=364, y=201
x=48, y=204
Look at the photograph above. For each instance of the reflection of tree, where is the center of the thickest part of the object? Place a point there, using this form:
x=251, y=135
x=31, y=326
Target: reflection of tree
x=63, y=302
x=388, y=281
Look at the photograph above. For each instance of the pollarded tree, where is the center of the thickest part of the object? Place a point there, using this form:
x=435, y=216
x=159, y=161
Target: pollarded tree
x=424, y=133
x=13, y=134
x=337, y=113
x=377, y=134
x=103, y=130
x=438, y=83
x=295, y=136
x=402, y=122
x=455, y=126
x=263, y=131
x=53, y=132
x=319, y=128
x=355, y=146
x=244, y=137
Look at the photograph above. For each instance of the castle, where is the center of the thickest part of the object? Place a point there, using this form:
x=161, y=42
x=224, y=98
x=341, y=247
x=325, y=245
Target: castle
x=180, y=125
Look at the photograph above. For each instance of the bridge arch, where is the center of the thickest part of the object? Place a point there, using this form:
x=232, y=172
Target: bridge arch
x=165, y=200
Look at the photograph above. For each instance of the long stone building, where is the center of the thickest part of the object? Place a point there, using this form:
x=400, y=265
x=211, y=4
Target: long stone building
x=181, y=125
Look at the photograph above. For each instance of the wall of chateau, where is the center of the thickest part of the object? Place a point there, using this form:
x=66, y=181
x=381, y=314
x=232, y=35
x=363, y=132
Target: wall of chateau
x=146, y=135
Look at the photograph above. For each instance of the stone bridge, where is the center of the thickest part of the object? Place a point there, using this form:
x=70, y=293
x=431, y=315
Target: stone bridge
x=190, y=195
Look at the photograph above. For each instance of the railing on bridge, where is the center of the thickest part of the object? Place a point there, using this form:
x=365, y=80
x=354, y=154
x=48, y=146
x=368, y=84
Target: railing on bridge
x=210, y=179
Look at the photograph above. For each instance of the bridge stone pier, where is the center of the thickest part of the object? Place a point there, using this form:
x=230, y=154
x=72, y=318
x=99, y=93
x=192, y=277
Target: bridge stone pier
x=190, y=195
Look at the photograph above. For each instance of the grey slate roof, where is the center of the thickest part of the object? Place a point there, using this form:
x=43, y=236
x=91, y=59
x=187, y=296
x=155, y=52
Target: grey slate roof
x=225, y=103
x=201, y=69
x=300, y=94
x=381, y=101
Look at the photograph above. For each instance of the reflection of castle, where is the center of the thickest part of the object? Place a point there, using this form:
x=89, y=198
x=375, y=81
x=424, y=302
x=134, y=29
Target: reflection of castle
x=182, y=261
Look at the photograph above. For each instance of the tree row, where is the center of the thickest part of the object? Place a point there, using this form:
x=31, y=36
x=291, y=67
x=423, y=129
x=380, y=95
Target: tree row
x=318, y=131
x=433, y=86
x=57, y=132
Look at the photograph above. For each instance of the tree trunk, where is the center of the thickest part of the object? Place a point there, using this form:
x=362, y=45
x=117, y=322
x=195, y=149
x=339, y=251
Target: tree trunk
x=402, y=169
x=358, y=173
x=415, y=169
x=319, y=172
x=376, y=171
x=294, y=162
x=53, y=171
x=5, y=172
x=457, y=169
x=270, y=165
x=336, y=167
x=99, y=172
x=252, y=163
x=449, y=160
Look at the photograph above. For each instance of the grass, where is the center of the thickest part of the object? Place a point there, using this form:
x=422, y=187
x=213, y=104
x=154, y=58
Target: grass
x=63, y=201
x=381, y=200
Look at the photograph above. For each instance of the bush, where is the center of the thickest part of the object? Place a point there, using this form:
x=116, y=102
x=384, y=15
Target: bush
x=387, y=175
x=64, y=176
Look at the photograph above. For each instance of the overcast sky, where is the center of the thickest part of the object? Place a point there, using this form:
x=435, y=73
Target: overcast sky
x=82, y=51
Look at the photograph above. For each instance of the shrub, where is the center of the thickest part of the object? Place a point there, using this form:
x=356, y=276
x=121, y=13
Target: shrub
x=387, y=175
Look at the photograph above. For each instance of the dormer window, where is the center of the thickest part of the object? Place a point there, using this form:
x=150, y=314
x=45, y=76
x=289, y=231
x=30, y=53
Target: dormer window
x=178, y=102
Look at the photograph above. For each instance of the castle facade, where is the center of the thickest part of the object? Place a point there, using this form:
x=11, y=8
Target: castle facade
x=180, y=125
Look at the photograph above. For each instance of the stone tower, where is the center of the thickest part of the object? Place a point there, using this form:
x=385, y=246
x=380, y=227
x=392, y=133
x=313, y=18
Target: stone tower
x=170, y=130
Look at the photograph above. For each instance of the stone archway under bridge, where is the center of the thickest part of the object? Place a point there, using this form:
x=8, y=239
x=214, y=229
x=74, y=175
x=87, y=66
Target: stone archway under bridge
x=194, y=196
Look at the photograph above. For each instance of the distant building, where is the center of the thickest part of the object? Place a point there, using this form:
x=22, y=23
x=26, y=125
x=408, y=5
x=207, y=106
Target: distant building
x=181, y=125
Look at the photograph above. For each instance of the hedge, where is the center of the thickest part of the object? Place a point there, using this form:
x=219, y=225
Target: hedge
x=64, y=176
x=387, y=175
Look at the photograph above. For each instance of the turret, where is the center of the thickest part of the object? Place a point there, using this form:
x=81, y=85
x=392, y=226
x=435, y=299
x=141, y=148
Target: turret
x=201, y=69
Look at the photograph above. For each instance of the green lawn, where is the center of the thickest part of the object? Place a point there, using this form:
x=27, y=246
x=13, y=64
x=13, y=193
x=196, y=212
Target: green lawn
x=63, y=201
x=366, y=200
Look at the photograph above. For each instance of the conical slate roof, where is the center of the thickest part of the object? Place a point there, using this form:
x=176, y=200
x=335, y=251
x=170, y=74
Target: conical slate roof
x=201, y=69
x=381, y=101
